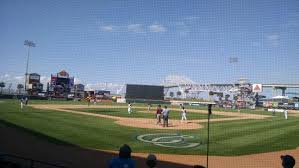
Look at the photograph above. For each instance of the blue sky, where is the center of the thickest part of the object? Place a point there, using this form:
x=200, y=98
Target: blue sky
x=143, y=41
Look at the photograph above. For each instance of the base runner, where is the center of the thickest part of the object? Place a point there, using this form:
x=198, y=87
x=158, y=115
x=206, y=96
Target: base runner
x=158, y=114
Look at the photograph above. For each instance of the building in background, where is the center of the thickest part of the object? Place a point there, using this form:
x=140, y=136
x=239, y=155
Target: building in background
x=60, y=85
x=33, y=85
x=101, y=95
x=98, y=95
x=78, y=91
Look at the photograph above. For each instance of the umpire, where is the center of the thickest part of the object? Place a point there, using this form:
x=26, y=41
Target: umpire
x=165, y=114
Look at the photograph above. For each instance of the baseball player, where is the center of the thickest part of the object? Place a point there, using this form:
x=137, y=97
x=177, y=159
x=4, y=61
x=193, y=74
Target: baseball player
x=22, y=103
x=88, y=100
x=184, y=114
x=158, y=114
x=285, y=112
x=148, y=107
x=181, y=106
x=165, y=114
x=129, y=108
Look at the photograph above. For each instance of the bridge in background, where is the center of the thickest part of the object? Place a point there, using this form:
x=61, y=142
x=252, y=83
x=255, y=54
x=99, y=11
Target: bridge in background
x=282, y=87
x=225, y=88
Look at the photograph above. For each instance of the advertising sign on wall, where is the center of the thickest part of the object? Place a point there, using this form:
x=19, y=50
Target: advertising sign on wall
x=257, y=88
x=63, y=74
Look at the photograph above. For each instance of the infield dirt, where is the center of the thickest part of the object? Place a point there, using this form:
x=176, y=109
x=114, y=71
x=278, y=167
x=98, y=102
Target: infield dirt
x=262, y=160
x=151, y=123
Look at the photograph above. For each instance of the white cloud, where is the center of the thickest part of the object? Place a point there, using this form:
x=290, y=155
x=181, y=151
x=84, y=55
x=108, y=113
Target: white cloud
x=182, y=28
x=19, y=78
x=192, y=18
x=273, y=39
x=11, y=81
x=77, y=81
x=107, y=28
x=137, y=28
x=176, y=80
x=112, y=87
x=291, y=24
x=14, y=80
x=156, y=28
x=45, y=80
x=256, y=44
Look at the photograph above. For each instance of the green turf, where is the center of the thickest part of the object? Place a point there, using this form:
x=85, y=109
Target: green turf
x=227, y=138
x=83, y=102
x=141, y=113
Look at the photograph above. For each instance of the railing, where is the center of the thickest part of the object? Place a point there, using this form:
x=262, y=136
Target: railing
x=30, y=162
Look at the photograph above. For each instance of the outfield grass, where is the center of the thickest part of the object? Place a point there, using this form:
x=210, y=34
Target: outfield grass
x=83, y=102
x=227, y=138
x=139, y=113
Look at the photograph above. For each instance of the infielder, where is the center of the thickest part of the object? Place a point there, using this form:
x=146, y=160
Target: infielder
x=184, y=114
x=129, y=108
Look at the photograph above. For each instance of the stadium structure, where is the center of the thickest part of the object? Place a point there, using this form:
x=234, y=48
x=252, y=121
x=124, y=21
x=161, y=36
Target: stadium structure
x=60, y=85
x=33, y=84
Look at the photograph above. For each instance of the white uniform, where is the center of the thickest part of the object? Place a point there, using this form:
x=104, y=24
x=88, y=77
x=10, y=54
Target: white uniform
x=148, y=108
x=285, y=114
x=22, y=103
x=129, y=108
x=184, y=114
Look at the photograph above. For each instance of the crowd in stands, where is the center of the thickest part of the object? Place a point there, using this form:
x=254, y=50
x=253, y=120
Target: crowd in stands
x=288, y=161
x=124, y=160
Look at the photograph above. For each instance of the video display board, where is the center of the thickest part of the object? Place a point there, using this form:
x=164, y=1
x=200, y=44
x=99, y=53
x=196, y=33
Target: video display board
x=144, y=92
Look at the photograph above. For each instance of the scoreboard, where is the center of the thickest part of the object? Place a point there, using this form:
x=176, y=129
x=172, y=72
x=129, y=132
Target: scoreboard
x=150, y=92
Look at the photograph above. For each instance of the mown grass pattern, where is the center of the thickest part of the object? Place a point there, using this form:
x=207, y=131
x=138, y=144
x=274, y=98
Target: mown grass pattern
x=227, y=138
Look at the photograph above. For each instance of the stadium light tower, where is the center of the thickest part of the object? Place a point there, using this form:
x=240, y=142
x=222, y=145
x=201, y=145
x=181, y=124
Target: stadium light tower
x=234, y=61
x=29, y=44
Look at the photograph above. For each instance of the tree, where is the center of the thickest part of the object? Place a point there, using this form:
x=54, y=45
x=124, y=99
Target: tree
x=20, y=87
x=179, y=93
x=2, y=85
x=227, y=97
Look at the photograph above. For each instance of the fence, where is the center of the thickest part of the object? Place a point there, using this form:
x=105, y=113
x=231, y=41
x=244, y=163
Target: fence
x=27, y=162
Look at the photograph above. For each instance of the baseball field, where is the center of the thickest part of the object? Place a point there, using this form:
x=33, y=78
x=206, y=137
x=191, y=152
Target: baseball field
x=107, y=126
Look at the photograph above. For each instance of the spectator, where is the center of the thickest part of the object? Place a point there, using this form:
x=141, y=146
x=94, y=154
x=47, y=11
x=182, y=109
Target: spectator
x=124, y=158
x=26, y=100
x=151, y=161
x=287, y=161
x=198, y=166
